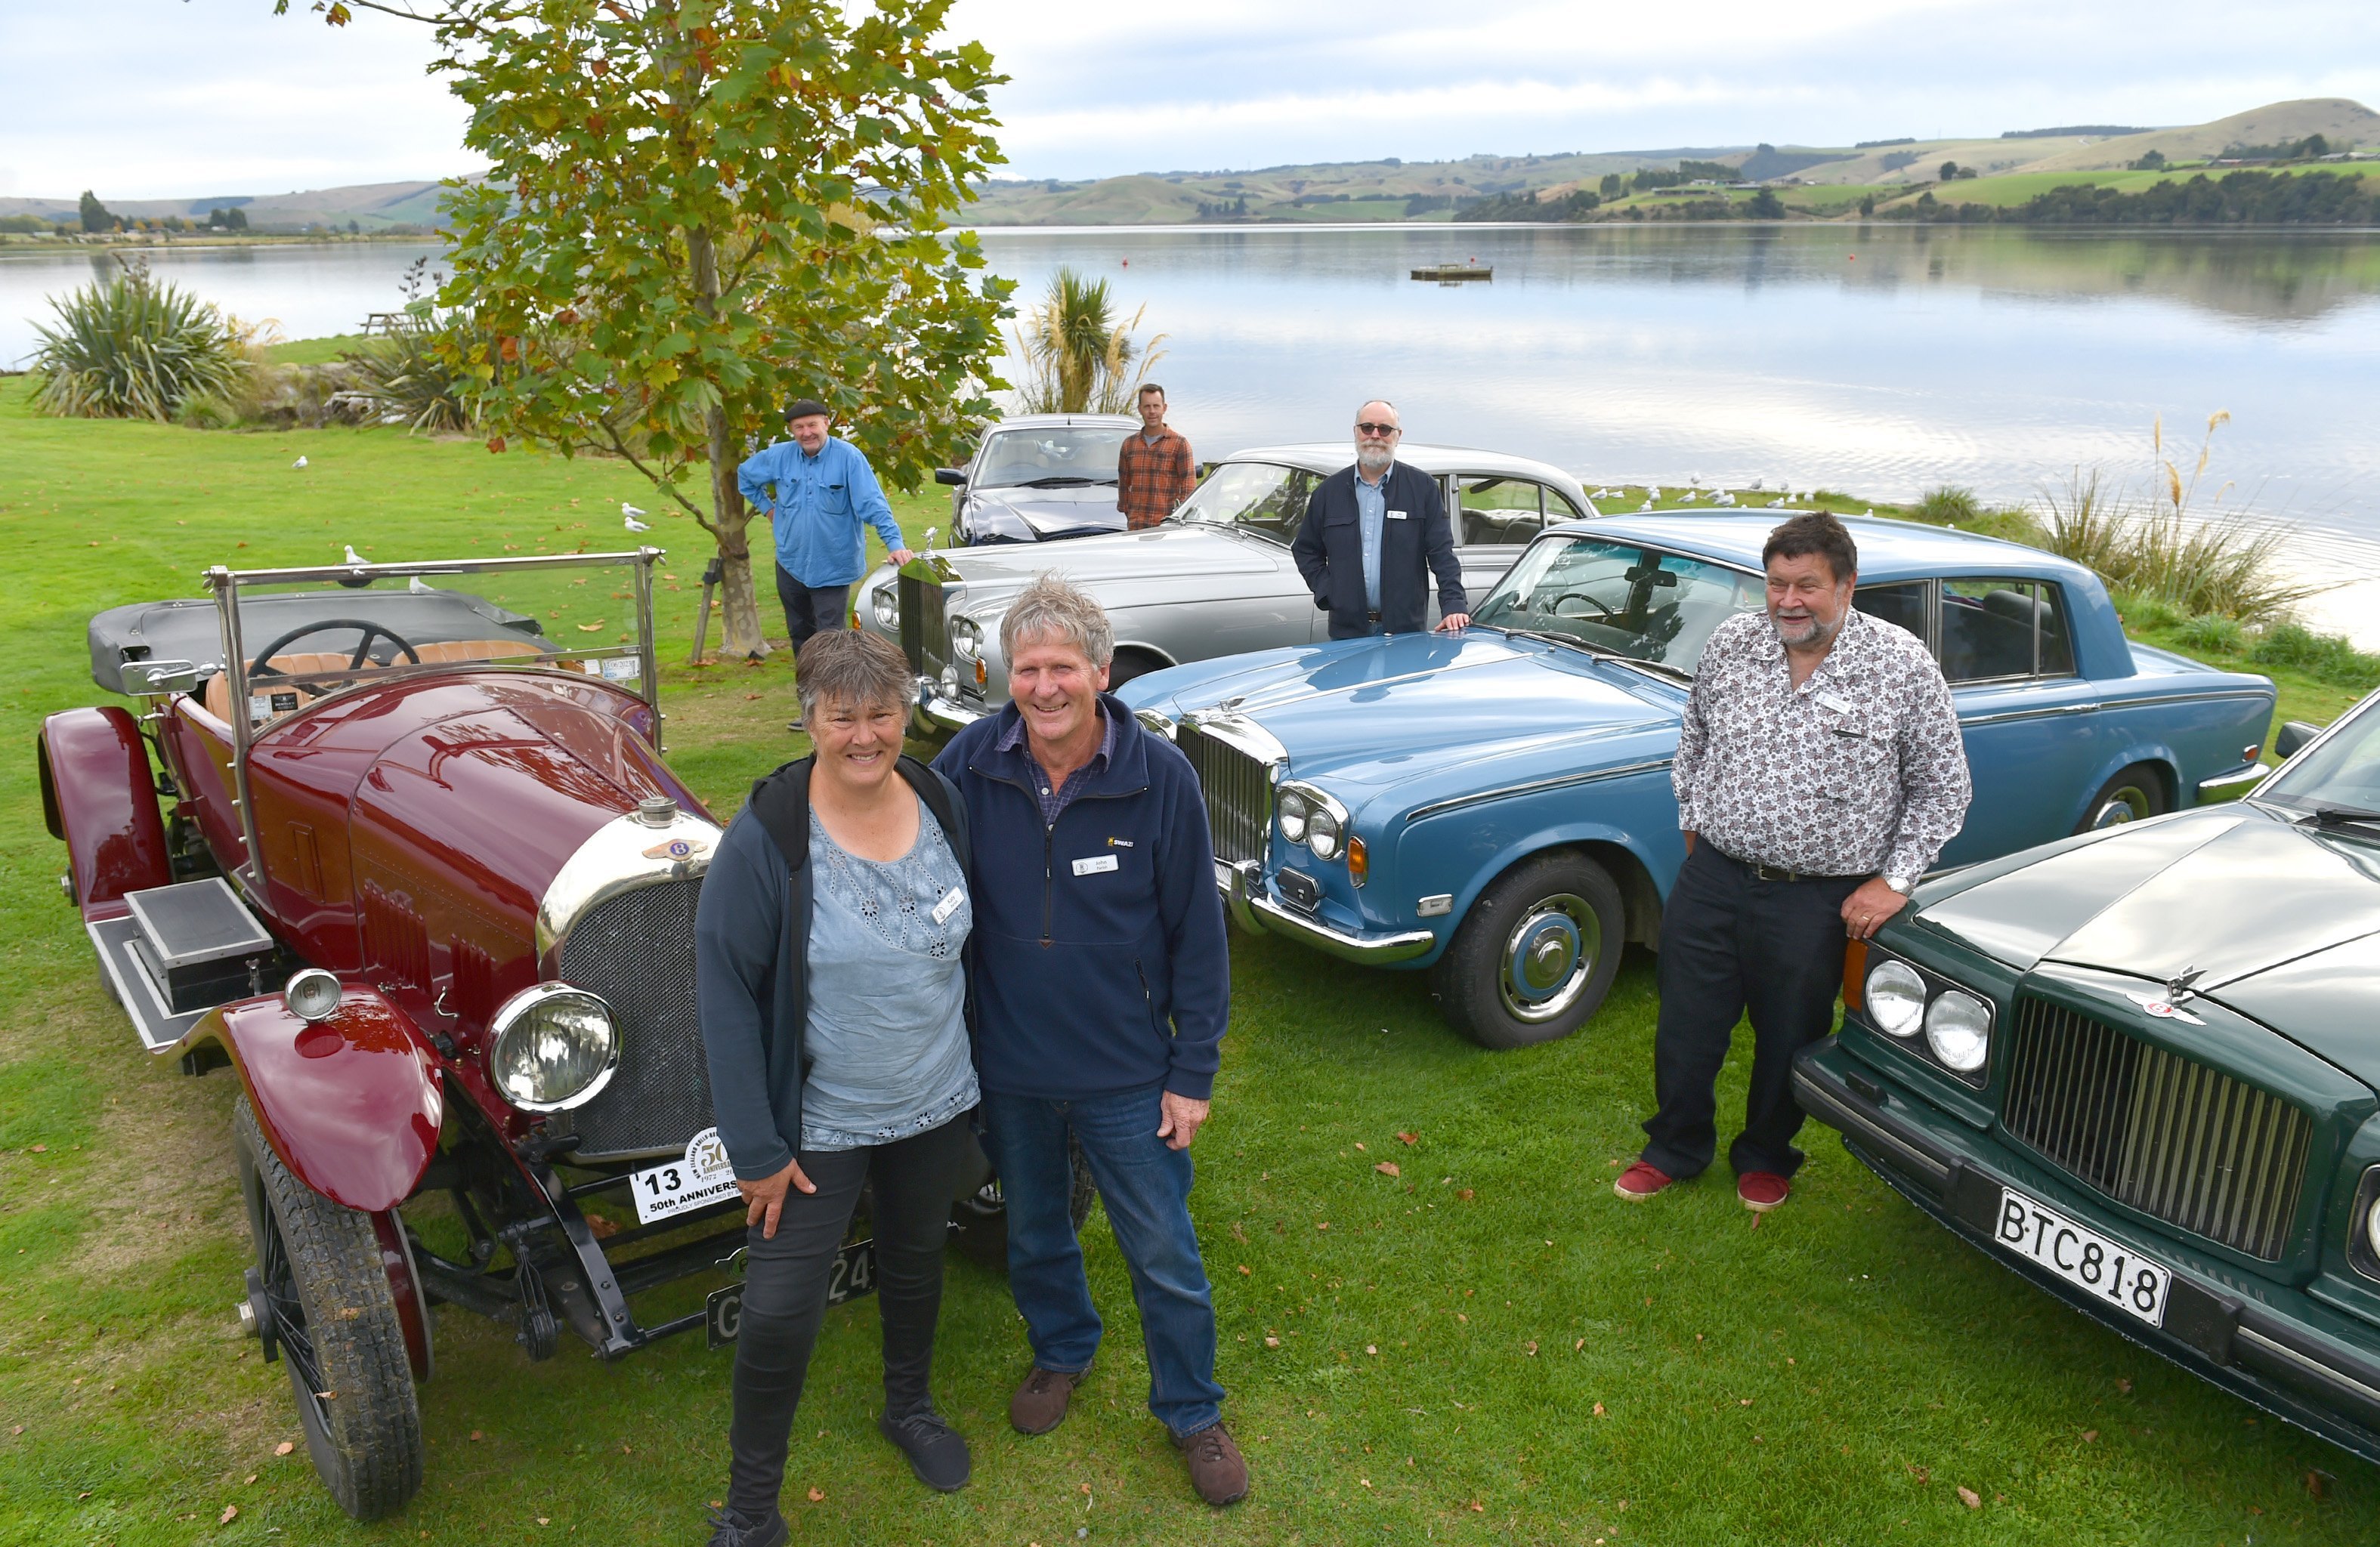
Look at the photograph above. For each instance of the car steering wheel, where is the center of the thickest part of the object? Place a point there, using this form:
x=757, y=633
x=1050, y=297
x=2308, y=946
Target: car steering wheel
x=262, y=665
x=1582, y=596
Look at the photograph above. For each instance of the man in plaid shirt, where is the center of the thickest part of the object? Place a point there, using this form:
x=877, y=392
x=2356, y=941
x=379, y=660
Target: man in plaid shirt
x=1154, y=472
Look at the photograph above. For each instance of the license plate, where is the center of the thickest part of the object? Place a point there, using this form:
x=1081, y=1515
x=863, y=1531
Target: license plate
x=854, y=1275
x=2082, y=1257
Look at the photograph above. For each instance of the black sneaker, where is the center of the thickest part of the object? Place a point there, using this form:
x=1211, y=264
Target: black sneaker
x=936, y=1451
x=730, y=1529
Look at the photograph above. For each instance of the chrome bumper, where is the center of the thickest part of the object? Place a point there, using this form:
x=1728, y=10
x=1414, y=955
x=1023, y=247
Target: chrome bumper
x=937, y=712
x=1255, y=910
x=2231, y=786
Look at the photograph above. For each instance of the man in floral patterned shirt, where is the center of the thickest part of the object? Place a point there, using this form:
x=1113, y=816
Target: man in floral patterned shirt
x=1820, y=772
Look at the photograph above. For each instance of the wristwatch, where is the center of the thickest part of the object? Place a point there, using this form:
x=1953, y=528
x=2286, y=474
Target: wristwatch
x=1902, y=884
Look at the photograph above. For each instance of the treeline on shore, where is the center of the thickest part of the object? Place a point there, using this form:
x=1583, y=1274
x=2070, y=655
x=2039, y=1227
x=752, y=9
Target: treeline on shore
x=2235, y=199
x=2243, y=198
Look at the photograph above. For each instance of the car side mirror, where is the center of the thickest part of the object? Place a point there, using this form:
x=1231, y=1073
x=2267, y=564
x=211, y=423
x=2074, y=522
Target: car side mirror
x=144, y=679
x=954, y=477
x=2293, y=734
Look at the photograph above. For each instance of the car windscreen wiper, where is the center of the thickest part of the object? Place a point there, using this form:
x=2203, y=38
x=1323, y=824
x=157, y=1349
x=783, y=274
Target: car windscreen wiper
x=1060, y=480
x=2340, y=816
x=1600, y=652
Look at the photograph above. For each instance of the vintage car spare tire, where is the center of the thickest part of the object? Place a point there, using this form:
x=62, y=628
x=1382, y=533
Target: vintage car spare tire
x=1536, y=955
x=320, y=1294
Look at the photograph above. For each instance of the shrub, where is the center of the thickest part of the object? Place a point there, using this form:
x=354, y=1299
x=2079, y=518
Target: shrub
x=1949, y=506
x=2214, y=633
x=406, y=378
x=132, y=348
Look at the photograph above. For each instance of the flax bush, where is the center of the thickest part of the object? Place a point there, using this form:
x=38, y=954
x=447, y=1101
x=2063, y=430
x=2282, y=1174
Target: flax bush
x=131, y=348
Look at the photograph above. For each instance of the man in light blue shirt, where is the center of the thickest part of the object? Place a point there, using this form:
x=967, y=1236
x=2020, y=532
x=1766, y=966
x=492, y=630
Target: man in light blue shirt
x=821, y=495
x=1372, y=519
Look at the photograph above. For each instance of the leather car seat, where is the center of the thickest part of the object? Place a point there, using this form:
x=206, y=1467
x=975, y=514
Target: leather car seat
x=216, y=699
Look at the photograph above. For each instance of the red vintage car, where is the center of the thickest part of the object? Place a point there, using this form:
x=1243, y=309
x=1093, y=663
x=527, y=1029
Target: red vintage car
x=417, y=872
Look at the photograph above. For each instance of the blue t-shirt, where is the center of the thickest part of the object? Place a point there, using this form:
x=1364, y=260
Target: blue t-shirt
x=821, y=506
x=887, y=1035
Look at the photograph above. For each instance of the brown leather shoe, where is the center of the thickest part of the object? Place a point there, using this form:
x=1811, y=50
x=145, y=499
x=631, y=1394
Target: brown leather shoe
x=1217, y=1468
x=1039, y=1403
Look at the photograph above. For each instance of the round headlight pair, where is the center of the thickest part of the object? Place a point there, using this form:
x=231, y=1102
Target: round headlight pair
x=555, y=1048
x=966, y=638
x=886, y=606
x=1308, y=820
x=1958, y=1025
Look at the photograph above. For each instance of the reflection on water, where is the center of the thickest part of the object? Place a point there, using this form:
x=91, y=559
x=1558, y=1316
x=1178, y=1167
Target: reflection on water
x=1882, y=359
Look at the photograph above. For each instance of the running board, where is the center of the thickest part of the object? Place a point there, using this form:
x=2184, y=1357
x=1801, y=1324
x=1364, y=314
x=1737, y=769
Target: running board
x=128, y=978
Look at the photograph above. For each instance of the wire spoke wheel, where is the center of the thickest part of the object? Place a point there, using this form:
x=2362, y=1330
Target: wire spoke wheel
x=325, y=1305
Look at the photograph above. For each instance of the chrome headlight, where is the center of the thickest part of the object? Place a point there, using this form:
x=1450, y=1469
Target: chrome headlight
x=1293, y=808
x=555, y=1048
x=1896, y=997
x=966, y=638
x=312, y=994
x=1322, y=833
x=2372, y=1228
x=1958, y=1029
x=886, y=606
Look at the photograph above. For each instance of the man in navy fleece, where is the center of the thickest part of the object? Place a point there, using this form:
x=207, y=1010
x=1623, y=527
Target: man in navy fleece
x=1103, y=987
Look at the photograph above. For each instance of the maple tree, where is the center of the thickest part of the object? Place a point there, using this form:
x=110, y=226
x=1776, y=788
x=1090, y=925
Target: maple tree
x=697, y=210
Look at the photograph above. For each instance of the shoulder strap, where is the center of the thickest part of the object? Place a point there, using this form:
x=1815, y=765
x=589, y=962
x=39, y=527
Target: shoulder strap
x=942, y=798
x=781, y=804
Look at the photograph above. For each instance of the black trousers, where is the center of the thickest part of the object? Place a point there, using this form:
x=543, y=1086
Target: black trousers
x=1732, y=943
x=785, y=1282
x=811, y=608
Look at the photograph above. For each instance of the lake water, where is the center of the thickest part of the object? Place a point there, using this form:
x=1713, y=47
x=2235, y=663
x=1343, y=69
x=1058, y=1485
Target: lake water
x=1881, y=361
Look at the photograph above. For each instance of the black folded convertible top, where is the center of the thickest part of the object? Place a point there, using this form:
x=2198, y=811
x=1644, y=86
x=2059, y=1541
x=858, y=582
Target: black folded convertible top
x=190, y=629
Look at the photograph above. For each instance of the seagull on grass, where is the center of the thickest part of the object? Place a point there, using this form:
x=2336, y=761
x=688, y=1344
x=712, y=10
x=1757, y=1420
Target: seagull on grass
x=630, y=520
x=419, y=589
x=299, y=463
x=354, y=557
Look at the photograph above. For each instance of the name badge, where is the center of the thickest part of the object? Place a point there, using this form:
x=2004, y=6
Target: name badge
x=1097, y=865
x=1828, y=701
x=1396, y=515
x=949, y=904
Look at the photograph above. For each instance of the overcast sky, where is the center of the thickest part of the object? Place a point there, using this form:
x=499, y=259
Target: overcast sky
x=172, y=98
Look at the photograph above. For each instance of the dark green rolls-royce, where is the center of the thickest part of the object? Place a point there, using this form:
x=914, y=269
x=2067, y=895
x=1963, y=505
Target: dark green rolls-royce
x=2138, y=1067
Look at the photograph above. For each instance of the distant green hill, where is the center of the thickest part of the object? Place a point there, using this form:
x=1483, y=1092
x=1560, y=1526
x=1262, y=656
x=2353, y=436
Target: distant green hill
x=372, y=206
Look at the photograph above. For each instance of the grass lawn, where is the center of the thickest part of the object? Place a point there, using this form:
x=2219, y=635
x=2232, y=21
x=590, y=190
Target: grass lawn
x=2016, y=187
x=1486, y=1347
x=312, y=351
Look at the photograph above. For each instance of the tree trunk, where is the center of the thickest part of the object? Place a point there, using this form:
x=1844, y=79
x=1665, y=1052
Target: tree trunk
x=740, y=632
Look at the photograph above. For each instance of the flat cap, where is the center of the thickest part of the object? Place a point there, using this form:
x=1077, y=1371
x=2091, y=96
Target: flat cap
x=803, y=407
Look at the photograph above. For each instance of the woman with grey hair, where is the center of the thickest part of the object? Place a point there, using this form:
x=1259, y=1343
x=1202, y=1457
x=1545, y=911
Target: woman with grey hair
x=833, y=997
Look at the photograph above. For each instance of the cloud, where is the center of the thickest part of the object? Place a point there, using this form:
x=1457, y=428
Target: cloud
x=144, y=98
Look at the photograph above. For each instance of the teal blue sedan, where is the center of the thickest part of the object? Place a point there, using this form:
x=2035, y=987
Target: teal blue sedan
x=1494, y=806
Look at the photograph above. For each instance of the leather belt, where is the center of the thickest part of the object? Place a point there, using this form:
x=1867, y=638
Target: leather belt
x=1776, y=872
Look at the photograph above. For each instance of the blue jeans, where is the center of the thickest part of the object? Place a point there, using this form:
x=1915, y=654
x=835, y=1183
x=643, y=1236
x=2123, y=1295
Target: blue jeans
x=1146, y=1188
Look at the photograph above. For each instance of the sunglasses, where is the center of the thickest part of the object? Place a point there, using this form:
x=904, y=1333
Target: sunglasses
x=1382, y=429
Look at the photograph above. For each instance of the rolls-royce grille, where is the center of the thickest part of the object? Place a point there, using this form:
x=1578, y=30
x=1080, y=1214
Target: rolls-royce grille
x=925, y=626
x=1239, y=794
x=2183, y=1143
x=636, y=950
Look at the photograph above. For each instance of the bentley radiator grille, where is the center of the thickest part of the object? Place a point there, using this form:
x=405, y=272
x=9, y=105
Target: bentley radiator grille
x=1239, y=794
x=925, y=626
x=2178, y=1141
x=636, y=950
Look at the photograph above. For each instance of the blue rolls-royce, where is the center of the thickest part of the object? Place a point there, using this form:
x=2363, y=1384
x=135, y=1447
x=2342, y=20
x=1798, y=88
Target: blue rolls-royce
x=1495, y=805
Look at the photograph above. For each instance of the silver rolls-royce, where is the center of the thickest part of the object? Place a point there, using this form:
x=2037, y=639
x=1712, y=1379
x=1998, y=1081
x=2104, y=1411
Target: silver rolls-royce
x=1215, y=579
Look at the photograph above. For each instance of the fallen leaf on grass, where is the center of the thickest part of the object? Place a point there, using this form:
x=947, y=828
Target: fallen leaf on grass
x=1599, y=1410
x=1272, y=1342
x=1577, y=1346
x=2124, y=1385
x=477, y=1435
x=250, y=1478
x=589, y=628
x=1371, y=1347
x=1466, y=1194
x=1237, y=1233
x=1247, y=1272
x=286, y=1447
x=1533, y=1347
x=1388, y=1168
x=1359, y=1143
x=544, y=1520
x=2089, y=1436
x=231, y=1513
x=1409, y=1138
x=1322, y=1224
x=1971, y=1499
x=817, y=1494
x=41, y=1149
x=598, y=1227
x=1479, y=1508
x=1923, y=1474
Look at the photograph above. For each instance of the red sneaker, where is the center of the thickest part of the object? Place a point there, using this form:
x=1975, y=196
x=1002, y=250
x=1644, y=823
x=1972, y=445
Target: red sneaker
x=1641, y=1180
x=1762, y=1191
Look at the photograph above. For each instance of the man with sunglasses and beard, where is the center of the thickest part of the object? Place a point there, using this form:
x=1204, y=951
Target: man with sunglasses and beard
x=1373, y=537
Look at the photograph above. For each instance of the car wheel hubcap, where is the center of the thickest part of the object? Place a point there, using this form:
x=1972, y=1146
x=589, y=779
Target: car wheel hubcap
x=1549, y=957
x=2128, y=804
